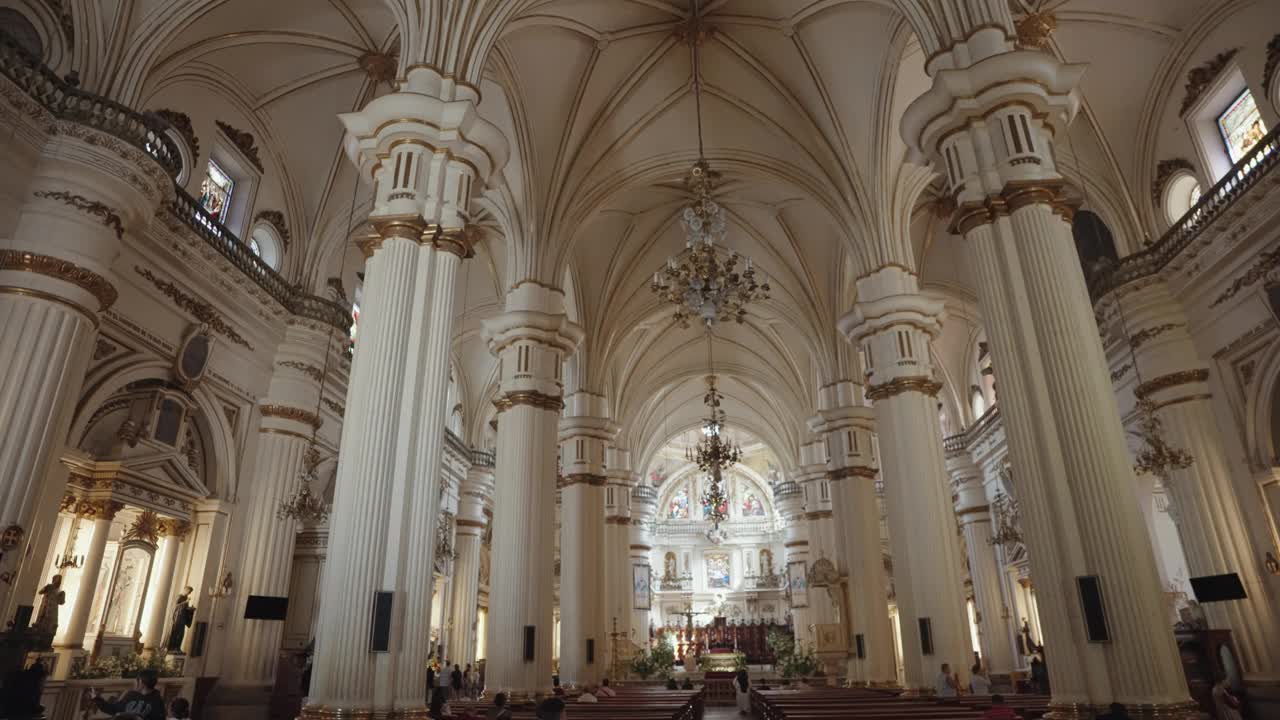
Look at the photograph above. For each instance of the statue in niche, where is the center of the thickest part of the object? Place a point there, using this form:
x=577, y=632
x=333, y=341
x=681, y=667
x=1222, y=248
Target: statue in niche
x=183, y=614
x=115, y=623
x=51, y=597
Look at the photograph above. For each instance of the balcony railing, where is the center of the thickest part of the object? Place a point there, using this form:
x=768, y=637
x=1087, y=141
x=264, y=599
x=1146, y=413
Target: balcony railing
x=1243, y=176
x=786, y=489
x=735, y=528
x=764, y=582
x=148, y=133
x=682, y=583
x=65, y=101
x=644, y=494
x=484, y=458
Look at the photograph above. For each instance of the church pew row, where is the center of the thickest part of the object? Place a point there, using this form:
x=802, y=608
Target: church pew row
x=629, y=704
x=853, y=703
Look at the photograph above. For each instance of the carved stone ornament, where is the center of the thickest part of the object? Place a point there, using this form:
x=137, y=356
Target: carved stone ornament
x=201, y=311
x=1164, y=382
x=1273, y=61
x=307, y=369
x=99, y=210
x=897, y=386
x=1035, y=31
x=1165, y=170
x=285, y=412
x=182, y=123
x=275, y=219
x=531, y=398
x=1201, y=77
x=11, y=537
x=1146, y=335
x=823, y=573
x=147, y=527
x=193, y=357
x=244, y=142
x=1266, y=263
x=91, y=282
x=379, y=66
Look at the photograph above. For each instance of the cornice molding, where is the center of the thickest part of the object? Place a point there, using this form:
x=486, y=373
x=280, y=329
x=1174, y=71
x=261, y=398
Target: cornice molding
x=60, y=269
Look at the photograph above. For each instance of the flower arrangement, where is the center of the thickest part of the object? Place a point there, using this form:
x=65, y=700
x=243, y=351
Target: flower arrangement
x=124, y=666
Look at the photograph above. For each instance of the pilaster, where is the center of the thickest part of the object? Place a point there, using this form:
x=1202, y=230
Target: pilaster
x=619, y=574
x=974, y=511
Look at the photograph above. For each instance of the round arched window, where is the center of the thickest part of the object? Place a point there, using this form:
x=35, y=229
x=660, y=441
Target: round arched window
x=264, y=244
x=1181, y=193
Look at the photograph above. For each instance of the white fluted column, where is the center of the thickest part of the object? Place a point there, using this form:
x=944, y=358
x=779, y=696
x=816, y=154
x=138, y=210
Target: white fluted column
x=617, y=546
x=289, y=420
x=820, y=531
x=174, y=532
x=1205, y=506
x=1064, y=430
x=382, y=534
x=474, y=498
x=87, y=190
x=532, y=340
x=851, y=469
x=644, y=508
x=975, y=520
x=584, y=435
x=103, y=513
x=788, y=498
x=894, y=324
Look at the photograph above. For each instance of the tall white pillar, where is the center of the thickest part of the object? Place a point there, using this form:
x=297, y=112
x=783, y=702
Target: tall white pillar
x=644, y=508
x=788, y=498
x=475, y=497
x=584, y=633
x=532, y=340
x=1079, y=515
x=1205, y=505
x=421, y=147
x=974, y=512
x=619, y=595
x=102, y=513
x=894, y=324
x=87, y=190
x=173, y=532
x=820, y=532
x=852, y=470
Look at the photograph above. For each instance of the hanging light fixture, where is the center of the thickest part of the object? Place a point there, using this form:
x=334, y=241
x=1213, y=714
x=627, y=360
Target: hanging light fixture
x=702, y=282
x=714, y=453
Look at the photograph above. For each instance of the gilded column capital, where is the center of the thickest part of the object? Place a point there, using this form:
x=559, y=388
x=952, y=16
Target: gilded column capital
x=177, y=529
x=1164, y=382
x=532, y=398
x=59, y=269
x=897, y=386
x=460, y=241
x=99, y=509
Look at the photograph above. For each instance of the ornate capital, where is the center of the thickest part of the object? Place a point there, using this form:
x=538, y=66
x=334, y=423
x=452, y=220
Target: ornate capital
x=99, y=509
x=459, y=241
x=284, y=412
x=177, y=529
x=1164, y=382
x=59, y=269
x=897, y=386
x=532, y=398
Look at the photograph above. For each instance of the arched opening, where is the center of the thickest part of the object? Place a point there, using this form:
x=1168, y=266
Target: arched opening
x=265, y=243
x=1181, y=193
x=1095, y=245
x=22, y=32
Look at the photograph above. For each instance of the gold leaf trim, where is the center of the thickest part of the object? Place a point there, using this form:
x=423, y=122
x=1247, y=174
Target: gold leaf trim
x=1164, y=382
x=1266, y=263
x=582, y=479
x=307, y=369
x=59, y=269
x=851, y=472
x=897, y=386
x=532, y=398
x=285, y=412
x=199, y=309
x=99, y=210
x=1146, y=335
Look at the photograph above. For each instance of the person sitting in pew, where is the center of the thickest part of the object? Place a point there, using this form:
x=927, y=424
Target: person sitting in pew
x=588, y=696
x=999, y=711
x=605, y=690
x=499, y=711
x=979, y=684
x=550, y=709
x=945, y=685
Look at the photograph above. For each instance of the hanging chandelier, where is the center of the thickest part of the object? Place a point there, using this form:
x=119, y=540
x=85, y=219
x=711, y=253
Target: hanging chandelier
x=305, y=506
x=713, y=454
x=704, y=282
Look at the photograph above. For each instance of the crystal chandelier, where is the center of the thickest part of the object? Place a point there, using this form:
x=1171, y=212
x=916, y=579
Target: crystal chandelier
x=702, y=282
x=306, y=506
x=713, y=454
x=1007, y=531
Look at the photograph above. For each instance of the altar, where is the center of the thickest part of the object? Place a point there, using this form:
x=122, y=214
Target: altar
x=720, y=640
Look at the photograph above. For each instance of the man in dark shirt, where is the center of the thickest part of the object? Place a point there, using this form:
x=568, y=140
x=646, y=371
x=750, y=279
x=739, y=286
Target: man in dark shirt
x=143, y=700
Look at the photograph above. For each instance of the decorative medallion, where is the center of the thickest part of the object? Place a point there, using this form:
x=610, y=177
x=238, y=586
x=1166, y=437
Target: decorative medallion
x=379, y=66
x=11, y=537
x=1166, y=169
x=147, y=528
x=182, y=124
x=192, y=360
x=1201, y=77
x=60, y=269
x=202, y=311
x=1035, y=31
x=1269, y=261
x=1273, y=61
x=244, y=142
x=275, y=219
x=99, y=210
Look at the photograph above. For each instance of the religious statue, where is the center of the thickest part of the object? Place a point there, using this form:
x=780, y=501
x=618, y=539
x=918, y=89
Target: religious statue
x=51, y=596
x=183, y=613
x=1273, y=565
x=1026, y=644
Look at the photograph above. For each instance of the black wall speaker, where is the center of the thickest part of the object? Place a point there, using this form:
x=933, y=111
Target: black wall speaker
x=380, y=628
x=591, y=651
x=530, y=633
x=1095, y=612
x=860, y=642
x=926, y=636
x=198, y=636
x=1217, y=588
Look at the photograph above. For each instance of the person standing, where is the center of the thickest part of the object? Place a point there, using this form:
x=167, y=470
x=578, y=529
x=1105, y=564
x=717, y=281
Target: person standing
x=742, y=683
x=979, y=683
x=455, y=682
x=143, y=700
x=945, y=685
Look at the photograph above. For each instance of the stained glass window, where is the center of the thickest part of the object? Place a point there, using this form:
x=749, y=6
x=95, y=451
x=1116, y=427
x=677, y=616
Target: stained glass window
x=679, y=507
x=215, y=191
x=751, y=505
x=717, y=570
x=1241, y=126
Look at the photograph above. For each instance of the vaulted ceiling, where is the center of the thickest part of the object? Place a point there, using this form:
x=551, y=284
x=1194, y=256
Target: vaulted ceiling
x=801, y=105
